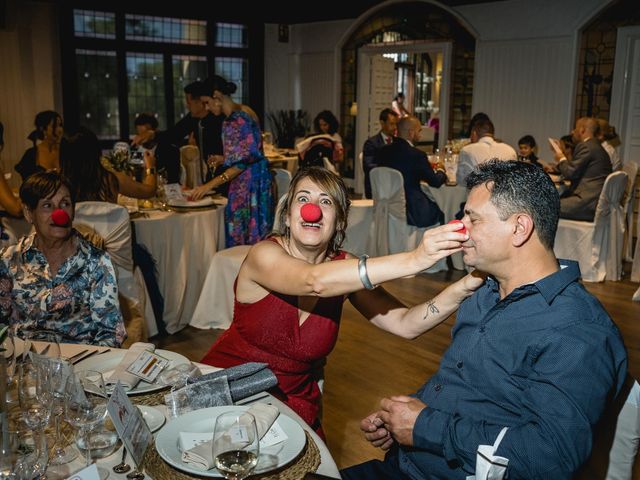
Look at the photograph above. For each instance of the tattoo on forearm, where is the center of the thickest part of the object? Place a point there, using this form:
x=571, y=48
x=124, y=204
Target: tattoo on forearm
x=431, y=309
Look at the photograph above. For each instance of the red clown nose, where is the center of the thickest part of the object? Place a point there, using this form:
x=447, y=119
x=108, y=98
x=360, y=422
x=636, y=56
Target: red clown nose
x=460, y=230
x=311, y=212
x=60, y=217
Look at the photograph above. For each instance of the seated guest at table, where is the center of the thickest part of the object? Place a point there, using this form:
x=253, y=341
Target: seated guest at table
x=483, y=147
x=587, y=171
x=91, y=179
x=8, y=201
x=325, y=142
x=45, y=153
x=527, y=150
x=54, y=279
x=291, y=287
x=167, y=154
x=531, y=351
x=609, y=140
x=386, y=135
x=249, y=211
x=398, y=105
x=414, y=166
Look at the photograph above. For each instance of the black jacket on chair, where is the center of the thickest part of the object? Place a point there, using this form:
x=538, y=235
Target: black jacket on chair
x=415, y=167
x=370, y=152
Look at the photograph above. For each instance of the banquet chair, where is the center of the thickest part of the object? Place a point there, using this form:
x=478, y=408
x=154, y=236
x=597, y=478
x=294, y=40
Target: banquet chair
x=390, y=233
x=597, y=245
x=283, y=180
x=329, y=166
x=112, y=223
x=635, y=267
x=631, y=169
x=190, y=160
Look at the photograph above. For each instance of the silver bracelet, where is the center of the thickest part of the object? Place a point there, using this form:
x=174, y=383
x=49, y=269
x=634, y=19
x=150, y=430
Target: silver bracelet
x=362, y=271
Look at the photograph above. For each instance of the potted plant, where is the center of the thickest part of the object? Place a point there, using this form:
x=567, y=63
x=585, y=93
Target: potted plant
x=288, y=125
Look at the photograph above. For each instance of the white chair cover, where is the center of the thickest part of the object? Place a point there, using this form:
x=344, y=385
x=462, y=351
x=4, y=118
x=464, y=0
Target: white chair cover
x=635, y=268
x=358, y=175
x=631, y=169
x=215, y=306
x=112, y=223
x=283, y=180
x=190, y=160
x=329, y=166
x=597, y=245
x=358, y=227
x=390, y=232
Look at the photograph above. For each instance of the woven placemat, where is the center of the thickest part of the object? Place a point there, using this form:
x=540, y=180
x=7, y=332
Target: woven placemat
x=307, y=461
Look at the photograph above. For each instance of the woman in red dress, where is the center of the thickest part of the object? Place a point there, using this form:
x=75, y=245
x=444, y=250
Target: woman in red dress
x=291, y=287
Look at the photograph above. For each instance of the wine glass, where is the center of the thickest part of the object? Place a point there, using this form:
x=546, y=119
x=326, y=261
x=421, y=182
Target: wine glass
x=20, y=457
x=60, y=370
x=85, y=407
x=34, y=395
x=235, y=445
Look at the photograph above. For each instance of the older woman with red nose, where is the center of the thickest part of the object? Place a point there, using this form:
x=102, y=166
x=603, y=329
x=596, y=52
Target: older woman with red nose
x=290, y=290
x=54, y=279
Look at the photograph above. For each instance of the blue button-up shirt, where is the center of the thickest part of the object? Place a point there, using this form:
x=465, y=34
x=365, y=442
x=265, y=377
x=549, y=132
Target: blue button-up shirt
x=542, y=361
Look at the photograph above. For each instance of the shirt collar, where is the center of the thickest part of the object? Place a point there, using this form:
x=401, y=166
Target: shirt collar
x=408, y=141
x=551, y=285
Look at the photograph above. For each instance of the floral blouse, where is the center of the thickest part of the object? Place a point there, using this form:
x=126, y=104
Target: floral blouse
x=80, y=302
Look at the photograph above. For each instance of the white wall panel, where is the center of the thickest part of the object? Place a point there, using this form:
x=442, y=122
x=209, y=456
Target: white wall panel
x=525, y=87
x=316, y=83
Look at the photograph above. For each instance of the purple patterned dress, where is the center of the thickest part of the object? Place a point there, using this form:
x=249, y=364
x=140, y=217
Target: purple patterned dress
x=249, y=211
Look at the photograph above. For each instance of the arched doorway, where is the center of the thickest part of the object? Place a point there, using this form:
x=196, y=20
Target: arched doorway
x=405, y=24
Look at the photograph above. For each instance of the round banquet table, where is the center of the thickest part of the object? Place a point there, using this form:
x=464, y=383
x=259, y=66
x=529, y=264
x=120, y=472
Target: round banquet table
x=182, y=245
x=327, y=464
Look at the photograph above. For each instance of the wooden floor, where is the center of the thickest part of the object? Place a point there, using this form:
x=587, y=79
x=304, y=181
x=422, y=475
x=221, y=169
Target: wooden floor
x=368, y=364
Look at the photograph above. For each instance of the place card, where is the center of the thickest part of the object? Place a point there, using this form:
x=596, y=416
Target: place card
x=88, y=473
x=128, y=422
x=173, y=191
x=148, y=366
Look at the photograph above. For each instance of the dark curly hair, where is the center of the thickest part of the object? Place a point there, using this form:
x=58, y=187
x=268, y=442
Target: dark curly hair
x=218, y=83
x=328, y=117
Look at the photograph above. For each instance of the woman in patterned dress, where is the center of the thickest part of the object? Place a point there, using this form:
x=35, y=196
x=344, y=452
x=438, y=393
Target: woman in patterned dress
x=249, y=211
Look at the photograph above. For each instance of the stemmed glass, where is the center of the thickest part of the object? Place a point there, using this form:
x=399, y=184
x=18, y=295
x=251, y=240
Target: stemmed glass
x=59, y=372
x=20, y=457
x=235, y=445
x=86, y=407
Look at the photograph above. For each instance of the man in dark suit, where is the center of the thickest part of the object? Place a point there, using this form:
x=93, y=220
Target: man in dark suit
x=587, y=171
x=386, y=135
x=414, y=166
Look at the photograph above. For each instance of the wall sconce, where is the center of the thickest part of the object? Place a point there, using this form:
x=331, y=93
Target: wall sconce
x=353, y=109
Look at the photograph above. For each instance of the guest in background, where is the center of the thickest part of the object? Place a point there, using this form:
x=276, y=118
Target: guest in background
x=8, y=201
x=54, y=279
x=45, y=153
x=249, y=211
x=610, y=141
x=483, y=147
x=388, y=126
x=91, y=179
x=398, y=105
x=567, y=145
x=414, y=166
x=167, y=154
x=527, y=150
x=587, y=171
x=291, y=287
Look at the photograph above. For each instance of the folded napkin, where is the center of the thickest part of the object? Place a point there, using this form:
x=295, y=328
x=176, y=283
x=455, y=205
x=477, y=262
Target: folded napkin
x=201, y=456
x=195, y=396
x=244, y=380
x=128, y=380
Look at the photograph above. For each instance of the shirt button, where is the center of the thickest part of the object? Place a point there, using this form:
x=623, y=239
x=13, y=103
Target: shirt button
x=459, y=364
x=438, y=387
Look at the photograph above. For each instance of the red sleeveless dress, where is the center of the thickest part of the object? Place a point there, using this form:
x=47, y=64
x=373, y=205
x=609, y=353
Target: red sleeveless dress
x=269, y=331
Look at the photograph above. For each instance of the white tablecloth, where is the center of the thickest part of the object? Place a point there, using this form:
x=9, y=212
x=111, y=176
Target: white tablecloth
x=327, y=464
x=182, y=244
x=448, y=199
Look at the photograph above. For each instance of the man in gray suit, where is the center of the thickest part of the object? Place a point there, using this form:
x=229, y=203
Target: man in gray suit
x=587, y=171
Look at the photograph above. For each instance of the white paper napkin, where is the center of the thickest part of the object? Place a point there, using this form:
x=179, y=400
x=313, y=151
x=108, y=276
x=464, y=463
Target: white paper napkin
x=128, y=380
x=201, y=456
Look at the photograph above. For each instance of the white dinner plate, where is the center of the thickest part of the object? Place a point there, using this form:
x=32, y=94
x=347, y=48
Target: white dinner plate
x=106, y=363
x=203, y=421
x=153, y=417
x=183, y=203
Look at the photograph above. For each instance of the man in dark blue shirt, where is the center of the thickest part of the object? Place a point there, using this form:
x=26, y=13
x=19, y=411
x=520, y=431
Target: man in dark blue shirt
x=532, y=350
